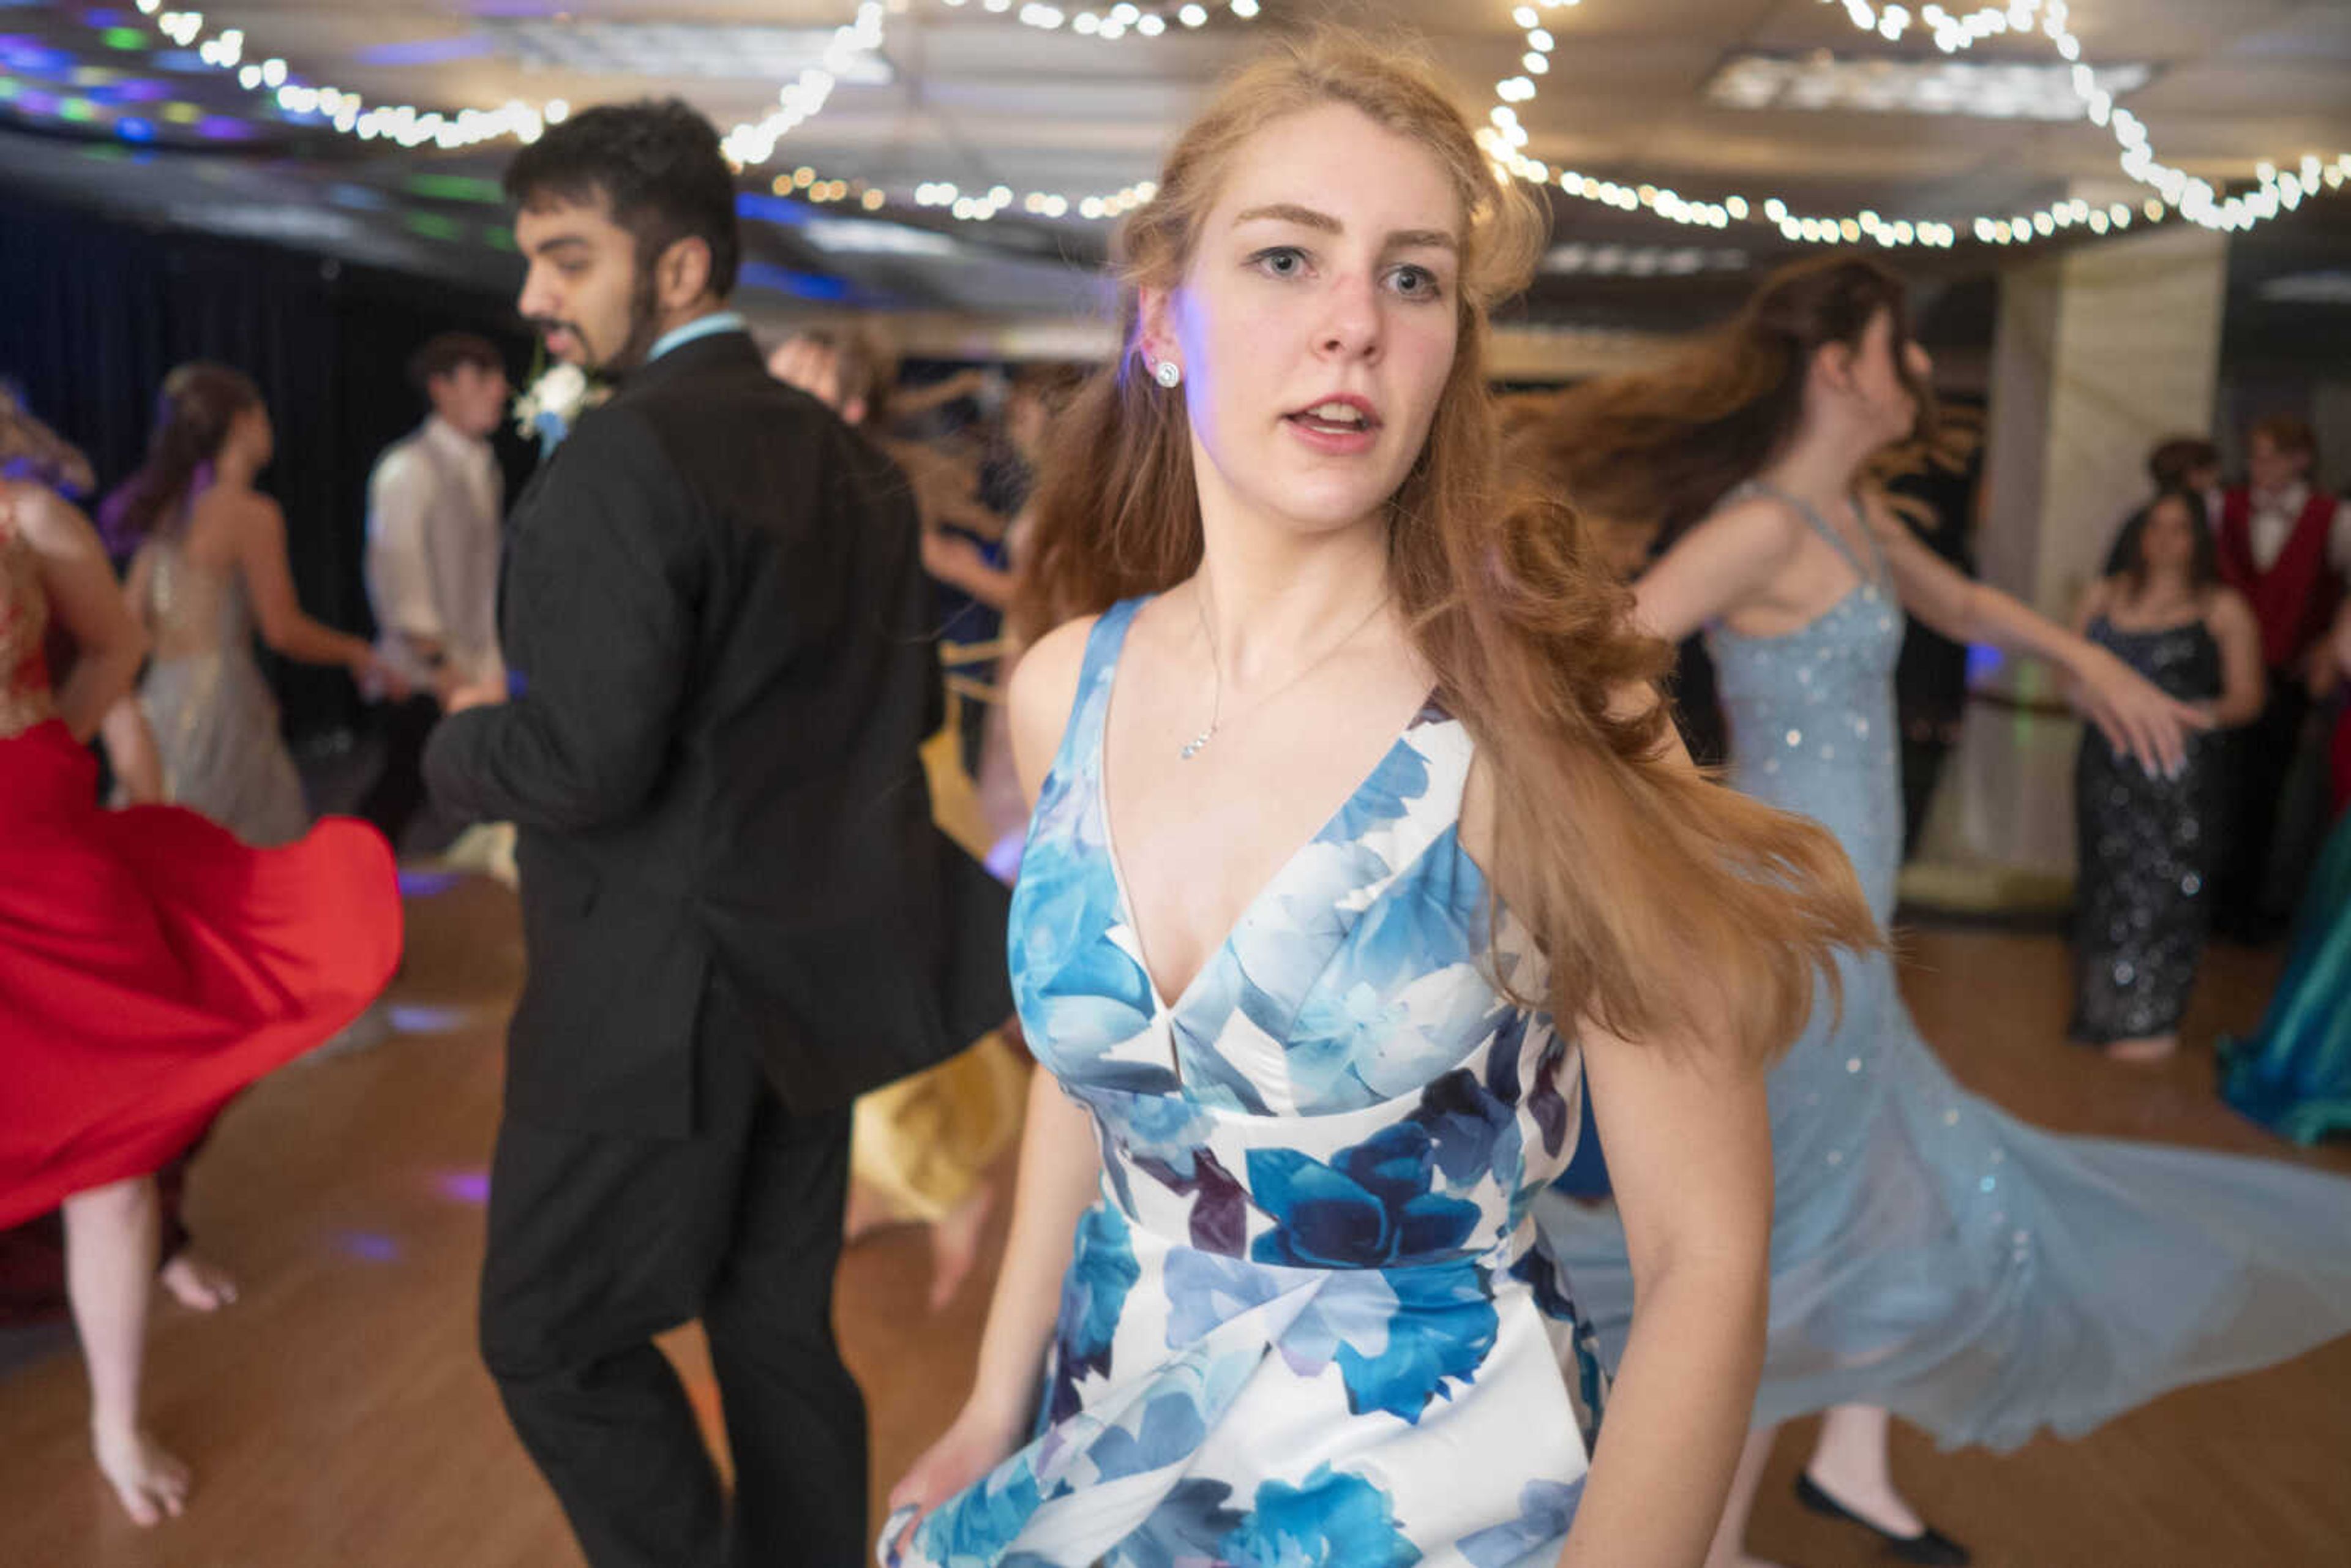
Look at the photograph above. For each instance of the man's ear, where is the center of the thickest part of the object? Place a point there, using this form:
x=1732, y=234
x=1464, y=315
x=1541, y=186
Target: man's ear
x=682, y=276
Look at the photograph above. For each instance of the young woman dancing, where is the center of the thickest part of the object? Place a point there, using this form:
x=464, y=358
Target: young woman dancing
x=150, y=966
x=1930, y=1255
x=1306, y=1065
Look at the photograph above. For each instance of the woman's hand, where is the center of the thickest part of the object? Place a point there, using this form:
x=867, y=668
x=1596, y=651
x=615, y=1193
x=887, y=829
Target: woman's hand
x=950, y=558
x=979, y=1440
x=374, y=675
x=2133, y=712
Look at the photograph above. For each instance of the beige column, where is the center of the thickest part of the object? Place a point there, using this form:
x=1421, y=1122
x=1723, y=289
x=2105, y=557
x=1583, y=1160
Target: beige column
x=2100, y=351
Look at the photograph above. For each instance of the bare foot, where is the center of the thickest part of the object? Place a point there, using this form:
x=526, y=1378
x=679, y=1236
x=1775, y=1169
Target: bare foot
x=197, y=1285
x=955, y=1244
x=153, y=1485
x=2143, y=1047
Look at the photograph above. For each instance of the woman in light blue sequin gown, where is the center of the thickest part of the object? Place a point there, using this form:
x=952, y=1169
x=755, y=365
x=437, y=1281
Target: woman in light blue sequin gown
x=1273, y=1296
x=1931, y=1255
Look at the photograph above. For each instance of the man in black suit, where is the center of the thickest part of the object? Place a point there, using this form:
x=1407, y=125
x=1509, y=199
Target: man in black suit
x=735, y=906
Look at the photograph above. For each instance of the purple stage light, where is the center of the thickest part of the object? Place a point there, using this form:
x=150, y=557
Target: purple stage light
x=367, y=1246
x=32, y=57
x=413, y=1019
x=472, y=1187
x=428, y=51
x=414, y=883
x=140, y=89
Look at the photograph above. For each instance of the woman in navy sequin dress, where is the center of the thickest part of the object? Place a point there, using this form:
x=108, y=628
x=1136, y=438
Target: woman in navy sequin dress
x=2147, y=840
x=1932, y=1257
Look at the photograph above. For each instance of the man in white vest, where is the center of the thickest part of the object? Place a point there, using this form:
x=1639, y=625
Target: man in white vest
x=434, y=503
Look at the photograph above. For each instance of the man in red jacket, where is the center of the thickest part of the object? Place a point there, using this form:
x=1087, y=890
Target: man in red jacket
x=2286, y=545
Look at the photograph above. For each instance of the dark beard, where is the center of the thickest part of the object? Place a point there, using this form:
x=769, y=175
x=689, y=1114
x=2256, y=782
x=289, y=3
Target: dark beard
x=644, y=332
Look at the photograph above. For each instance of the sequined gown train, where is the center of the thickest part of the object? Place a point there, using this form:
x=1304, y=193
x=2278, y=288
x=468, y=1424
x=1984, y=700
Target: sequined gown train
x=2146, y=847
x=1305, y=1322
x=215, y=718
x=1930, y=1253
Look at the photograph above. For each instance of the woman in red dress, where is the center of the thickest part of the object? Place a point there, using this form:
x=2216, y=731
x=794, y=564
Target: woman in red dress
x=150, y=966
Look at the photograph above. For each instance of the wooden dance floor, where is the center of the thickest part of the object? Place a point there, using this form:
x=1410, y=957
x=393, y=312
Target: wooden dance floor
x=337, y=1414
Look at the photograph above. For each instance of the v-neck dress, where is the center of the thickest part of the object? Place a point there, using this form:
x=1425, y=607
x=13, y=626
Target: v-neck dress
x=1306, y=1322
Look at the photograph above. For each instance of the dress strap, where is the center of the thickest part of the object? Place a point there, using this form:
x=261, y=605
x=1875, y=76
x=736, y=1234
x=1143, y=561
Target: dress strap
x=1081, y=735
x=1875, y=573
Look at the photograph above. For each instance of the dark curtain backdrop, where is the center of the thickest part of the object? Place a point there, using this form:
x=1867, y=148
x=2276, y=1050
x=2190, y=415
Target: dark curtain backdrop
x=94, y=310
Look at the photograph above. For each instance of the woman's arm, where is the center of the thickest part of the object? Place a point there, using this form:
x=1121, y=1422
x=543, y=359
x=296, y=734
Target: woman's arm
x=1690, y=1155
x=131, y=751
x=956, y=561
x=2245, y=684
x=1060, y=1174
x=1689, y=1133
x=261, y=554
x=1719, y=566
x=108, y=643
x=1689, y=1136
x=2134, y=714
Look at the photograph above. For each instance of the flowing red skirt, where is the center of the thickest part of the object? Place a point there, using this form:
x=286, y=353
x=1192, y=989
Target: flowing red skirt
x=152, y=966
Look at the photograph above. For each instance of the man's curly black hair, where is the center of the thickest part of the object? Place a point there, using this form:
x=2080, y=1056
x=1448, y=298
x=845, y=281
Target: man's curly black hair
x=656, y=166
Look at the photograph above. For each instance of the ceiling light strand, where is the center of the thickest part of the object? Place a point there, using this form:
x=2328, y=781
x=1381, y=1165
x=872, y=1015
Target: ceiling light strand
x=1505, y=139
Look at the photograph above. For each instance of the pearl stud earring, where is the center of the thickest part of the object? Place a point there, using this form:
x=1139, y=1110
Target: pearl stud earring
x=1167, y=374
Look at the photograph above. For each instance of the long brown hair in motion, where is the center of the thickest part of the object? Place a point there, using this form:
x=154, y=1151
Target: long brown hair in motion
x=1669, y=908
x=1660, y=449
x=194, y=411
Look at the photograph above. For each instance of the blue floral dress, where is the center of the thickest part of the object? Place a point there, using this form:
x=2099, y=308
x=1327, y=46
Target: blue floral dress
x=1304, y=1324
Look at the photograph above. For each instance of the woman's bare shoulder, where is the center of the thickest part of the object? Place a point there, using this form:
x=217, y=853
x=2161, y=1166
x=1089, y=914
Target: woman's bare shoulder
x=1040, y=694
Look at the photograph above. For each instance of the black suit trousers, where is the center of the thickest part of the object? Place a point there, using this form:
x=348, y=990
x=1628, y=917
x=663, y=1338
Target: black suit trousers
x=598, y=1242
x=2245, y=907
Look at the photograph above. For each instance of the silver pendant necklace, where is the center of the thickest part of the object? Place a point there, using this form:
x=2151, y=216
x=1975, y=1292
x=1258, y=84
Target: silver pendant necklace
x=1199, y=742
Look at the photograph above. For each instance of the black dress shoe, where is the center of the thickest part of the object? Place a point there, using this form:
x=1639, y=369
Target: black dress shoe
x=1930, y=1547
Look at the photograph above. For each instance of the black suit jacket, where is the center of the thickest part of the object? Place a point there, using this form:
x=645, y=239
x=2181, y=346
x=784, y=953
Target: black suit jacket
x=717, y=614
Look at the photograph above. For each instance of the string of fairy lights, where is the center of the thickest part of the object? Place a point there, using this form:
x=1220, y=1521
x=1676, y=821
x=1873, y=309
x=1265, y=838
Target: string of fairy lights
x=2173, y=193
x=1505, y=139
x=748, y=145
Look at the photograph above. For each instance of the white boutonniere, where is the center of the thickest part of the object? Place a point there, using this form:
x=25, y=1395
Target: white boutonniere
x=555, y=402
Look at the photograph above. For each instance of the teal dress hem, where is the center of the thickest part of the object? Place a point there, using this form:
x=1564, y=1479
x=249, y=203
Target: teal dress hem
x=2293, y=1074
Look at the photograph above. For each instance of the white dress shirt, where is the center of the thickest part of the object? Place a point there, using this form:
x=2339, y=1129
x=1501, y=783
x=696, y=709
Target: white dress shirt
x=2270, y=521
x=434, y=504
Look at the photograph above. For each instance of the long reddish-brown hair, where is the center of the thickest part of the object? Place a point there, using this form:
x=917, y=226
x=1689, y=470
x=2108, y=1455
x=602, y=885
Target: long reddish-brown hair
x=1668, y=907
x=1659, y=449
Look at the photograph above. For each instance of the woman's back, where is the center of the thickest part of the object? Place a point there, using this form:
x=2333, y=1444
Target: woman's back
x=214, y=717
x=191, y=590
